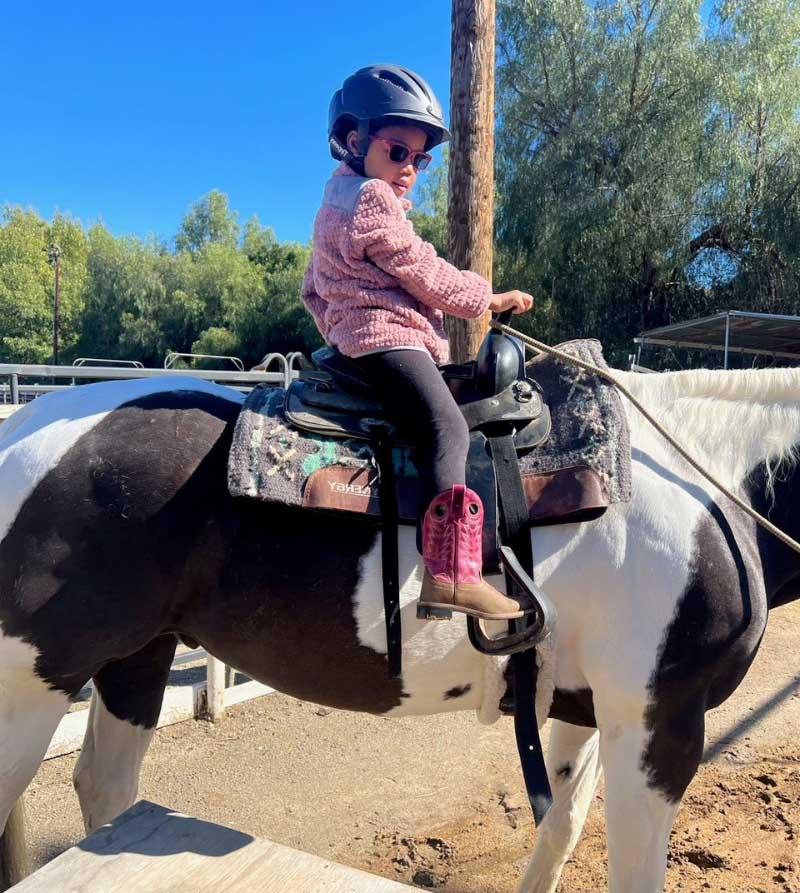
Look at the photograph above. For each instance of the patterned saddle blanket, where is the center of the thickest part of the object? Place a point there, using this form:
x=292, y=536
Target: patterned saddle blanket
x=581, y=469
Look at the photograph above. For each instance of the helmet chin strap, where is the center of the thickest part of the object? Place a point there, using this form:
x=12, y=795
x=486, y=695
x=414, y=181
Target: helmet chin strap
x=356, y=164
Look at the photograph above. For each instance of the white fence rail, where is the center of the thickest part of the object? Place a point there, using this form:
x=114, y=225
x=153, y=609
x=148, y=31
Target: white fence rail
x=11, y=391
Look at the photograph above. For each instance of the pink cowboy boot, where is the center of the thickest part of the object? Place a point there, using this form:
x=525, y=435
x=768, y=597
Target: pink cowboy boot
x=451, y=550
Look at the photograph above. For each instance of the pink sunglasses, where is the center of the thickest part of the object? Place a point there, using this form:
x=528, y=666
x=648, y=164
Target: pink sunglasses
x=399, y=153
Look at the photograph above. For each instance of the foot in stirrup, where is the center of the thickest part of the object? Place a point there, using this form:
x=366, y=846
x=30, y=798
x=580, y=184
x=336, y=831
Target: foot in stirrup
x=451, y=550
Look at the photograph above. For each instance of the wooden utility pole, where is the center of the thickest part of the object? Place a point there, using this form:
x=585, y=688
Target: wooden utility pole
x=470, y=216
x=54, y=255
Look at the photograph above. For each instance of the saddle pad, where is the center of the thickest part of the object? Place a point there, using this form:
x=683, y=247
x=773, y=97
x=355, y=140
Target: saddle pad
x=589, y=437
x=271, y=461
x=581, y=469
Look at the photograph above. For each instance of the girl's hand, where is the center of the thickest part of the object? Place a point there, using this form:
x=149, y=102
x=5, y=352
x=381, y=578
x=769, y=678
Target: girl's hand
x=518, y=301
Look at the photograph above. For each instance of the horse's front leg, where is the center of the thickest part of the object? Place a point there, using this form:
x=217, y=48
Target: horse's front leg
x=573, y=766
x=647, y=766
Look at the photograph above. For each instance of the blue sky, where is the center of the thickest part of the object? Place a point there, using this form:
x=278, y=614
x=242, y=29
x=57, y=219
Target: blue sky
x=130, y=112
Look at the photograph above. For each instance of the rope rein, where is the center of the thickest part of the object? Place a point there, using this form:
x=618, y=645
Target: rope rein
x=602, y=373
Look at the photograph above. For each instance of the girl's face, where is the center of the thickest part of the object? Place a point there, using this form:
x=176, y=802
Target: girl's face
x=378, y=164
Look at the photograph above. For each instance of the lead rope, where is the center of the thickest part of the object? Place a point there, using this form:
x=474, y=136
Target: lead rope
x=602, y=373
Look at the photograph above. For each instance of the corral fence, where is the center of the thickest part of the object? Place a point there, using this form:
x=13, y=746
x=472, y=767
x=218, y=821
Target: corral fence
x=20, y=383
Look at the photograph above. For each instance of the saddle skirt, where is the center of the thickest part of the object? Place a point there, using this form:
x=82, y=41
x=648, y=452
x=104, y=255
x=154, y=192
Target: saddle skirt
x=581, y=468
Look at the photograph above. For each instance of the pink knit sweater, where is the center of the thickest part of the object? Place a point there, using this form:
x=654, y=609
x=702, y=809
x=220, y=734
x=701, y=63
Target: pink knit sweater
x=373, y=284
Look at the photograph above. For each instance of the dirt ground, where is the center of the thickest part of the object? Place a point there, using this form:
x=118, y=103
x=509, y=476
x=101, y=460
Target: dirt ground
x=438, y=802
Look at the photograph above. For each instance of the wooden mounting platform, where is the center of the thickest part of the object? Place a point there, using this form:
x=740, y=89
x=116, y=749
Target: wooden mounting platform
x=150, y=849
x=6, y=409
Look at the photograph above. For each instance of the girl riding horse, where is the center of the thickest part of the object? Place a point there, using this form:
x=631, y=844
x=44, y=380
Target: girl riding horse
x=378, y=294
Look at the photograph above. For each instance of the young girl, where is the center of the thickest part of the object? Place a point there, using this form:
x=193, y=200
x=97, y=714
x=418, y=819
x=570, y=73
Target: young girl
x=378, y=294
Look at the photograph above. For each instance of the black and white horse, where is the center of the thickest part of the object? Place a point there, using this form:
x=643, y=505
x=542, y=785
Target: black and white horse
x=117, y=534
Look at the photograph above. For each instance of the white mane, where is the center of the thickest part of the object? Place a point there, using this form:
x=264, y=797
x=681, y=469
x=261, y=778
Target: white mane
x=730, y=421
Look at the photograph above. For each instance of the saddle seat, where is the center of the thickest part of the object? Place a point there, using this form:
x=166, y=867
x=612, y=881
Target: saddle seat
x=337, y=400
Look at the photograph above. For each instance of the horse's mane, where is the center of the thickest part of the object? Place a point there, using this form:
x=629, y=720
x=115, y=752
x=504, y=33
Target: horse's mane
x=756, y=385
x=731, y=420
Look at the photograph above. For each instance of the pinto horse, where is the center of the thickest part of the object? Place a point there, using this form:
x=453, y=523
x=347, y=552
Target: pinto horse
x=118, y=535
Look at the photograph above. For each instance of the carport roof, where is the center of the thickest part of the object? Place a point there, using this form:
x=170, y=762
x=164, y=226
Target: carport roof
x=732, y=331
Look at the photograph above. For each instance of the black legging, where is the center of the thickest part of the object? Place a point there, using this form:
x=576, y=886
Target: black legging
x=417, y=396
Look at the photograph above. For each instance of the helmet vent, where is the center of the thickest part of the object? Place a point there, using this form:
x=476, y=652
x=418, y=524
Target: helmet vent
x=392, y=78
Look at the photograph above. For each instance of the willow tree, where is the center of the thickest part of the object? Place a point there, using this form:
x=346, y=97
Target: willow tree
x=646, y=160
x=752, y=206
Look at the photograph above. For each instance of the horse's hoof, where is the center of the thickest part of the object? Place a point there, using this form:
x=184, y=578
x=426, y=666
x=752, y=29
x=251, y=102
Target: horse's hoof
x=427, y=612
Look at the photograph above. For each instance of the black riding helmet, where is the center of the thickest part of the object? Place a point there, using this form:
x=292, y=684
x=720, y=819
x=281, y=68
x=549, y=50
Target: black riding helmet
x=379, y=95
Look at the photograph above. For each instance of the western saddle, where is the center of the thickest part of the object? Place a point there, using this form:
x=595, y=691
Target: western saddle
x=506, y=415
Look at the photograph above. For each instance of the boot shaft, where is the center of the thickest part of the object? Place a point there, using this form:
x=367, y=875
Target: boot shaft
x=452, y=532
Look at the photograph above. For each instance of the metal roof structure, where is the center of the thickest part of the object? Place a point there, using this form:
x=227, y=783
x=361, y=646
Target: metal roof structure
x=731, y=331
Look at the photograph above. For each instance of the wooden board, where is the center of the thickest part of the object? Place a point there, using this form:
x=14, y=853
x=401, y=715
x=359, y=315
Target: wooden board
x=6, y=409
x=150, y=849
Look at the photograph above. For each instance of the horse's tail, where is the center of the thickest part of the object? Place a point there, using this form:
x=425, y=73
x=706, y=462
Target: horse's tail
x=14, y=864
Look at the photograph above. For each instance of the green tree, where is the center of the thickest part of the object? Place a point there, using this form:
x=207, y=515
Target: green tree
x=26, y=316
x=215, y=341
x=430, y=214
x=274, y=319
x=27, y=285
x=258, y=241
x=208, y=221
x=126, y=299
x=749, y=247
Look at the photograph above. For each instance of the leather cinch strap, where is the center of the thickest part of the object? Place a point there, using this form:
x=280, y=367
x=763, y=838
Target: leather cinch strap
x=389, y=548
x=516, y=534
